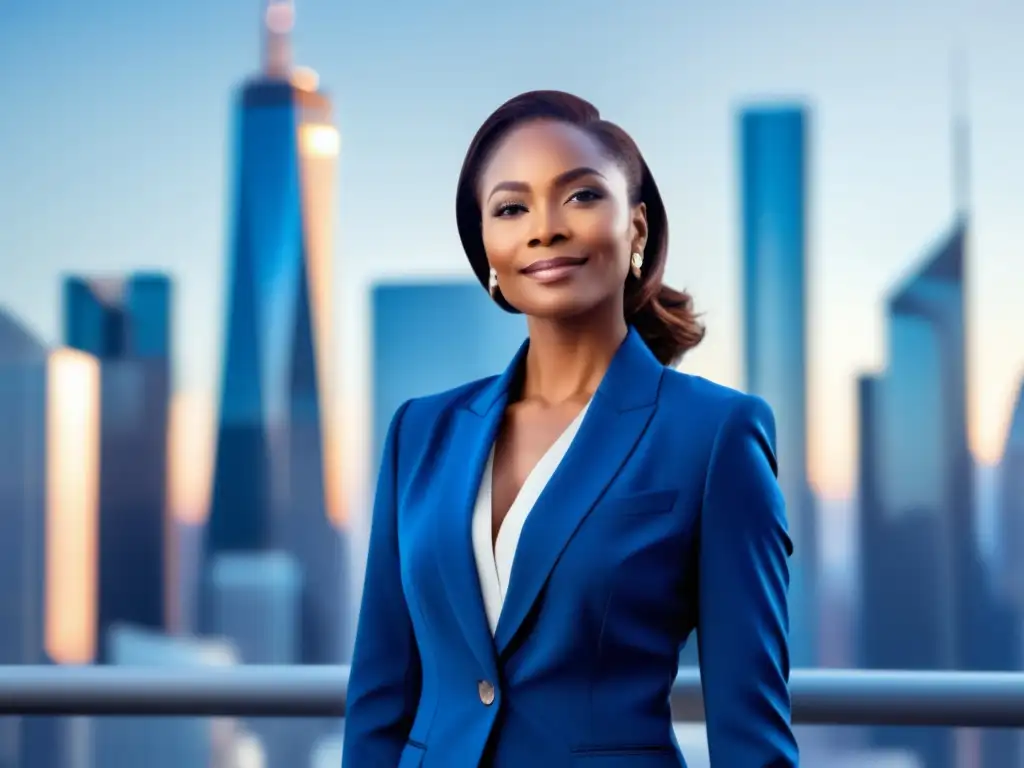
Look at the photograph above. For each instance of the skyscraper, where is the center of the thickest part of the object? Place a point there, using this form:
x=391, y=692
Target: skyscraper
x=928, y=602
x=919, y=555
x=774, y=181
x=23, y=405
x=276, y=472
x=49, y=485
x=255, y=598
x=1011, y=507
x=126, y=325
x=429, y=336
x=1011, y=549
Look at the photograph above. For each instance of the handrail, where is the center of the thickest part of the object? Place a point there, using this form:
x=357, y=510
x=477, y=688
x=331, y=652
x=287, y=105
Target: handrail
x=820, y=696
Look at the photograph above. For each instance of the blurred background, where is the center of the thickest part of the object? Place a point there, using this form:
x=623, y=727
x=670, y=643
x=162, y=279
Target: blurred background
x=222, y=272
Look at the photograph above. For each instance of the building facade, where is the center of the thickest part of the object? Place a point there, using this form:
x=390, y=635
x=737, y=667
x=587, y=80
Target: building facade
x=928, y=601
x=430, y=336
x=774, y=178
x=1011, y=507
x=49, y=497
x=276, y=482
x=125, y=324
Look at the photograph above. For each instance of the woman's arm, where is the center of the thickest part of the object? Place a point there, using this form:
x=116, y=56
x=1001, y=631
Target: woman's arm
x=742, y=625
x=384, y=685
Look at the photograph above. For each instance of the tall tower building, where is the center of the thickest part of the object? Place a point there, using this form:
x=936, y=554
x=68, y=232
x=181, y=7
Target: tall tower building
x=774, y=181
x=1011, y=507
x=927, y=599
x=277, y=468
x=918, y=552
x=1010, y=573
x=49, y=500
x=126, y=325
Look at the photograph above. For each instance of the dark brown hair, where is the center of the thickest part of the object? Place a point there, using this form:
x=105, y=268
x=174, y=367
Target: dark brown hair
x=663, y=316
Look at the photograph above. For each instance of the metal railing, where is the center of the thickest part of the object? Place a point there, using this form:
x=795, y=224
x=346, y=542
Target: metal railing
x=820, y=697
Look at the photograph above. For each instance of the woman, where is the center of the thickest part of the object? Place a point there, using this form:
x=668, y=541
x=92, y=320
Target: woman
x=544, y=541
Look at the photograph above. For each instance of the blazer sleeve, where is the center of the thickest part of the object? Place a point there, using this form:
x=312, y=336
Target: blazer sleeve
x=385, y=679
x=743, y=621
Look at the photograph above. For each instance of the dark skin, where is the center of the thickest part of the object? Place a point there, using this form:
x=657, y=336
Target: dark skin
x=551, y=192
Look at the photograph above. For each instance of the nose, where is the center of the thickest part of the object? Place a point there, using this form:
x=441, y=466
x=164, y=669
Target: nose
x=549, y=226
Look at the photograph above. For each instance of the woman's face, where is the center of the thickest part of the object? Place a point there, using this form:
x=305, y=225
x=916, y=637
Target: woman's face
x=558, y=227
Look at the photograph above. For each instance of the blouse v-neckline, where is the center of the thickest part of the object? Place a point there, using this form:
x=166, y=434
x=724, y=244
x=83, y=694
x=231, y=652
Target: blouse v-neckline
x=494, y=561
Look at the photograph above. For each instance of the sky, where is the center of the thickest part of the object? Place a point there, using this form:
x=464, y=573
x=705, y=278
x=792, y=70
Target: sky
x=114, y=156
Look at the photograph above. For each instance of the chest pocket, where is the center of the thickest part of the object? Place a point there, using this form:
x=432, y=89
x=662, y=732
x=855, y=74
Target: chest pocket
x=640, y=503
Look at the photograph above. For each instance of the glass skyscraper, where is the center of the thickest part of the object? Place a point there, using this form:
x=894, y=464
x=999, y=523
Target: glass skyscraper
x=774, y=180
x=23, y=405
x=1011, y=506
x=126, y=325
x=1011, y=541
x=430, y=336
x=277, y=469
x=928, y=601
x=49, y=494
x=23, y=386
x=918, y=551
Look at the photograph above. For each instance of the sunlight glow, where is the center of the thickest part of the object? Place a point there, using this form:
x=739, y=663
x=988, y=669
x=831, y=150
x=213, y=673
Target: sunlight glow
x=72, y=505
x=305, y=79
x=190, y=453
x=318, y=140
x=318, y=156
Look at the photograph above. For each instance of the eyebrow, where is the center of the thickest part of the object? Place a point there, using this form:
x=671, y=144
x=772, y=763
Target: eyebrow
x=560, y=180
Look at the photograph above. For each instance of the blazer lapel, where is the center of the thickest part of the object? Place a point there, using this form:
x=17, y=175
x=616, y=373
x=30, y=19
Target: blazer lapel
x=617, y=417
x=474, y=430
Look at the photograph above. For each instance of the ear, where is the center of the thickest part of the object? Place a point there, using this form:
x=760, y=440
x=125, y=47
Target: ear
x=638, y=228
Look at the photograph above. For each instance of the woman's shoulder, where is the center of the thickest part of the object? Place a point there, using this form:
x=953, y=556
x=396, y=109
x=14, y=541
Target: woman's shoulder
x=440, y=403
x=423, y=413
x=713, y=403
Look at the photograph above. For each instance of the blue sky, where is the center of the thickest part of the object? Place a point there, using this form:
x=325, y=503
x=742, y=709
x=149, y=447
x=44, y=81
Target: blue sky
x=113, y=155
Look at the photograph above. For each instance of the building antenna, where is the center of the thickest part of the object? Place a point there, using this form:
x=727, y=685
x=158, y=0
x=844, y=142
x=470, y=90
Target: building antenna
x=961, y=137
x=278, y=21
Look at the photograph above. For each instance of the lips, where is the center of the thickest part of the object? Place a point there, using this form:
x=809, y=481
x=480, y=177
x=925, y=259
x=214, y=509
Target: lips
x=552, y=265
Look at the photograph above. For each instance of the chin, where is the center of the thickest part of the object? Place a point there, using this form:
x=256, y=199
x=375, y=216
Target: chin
x=554, y=304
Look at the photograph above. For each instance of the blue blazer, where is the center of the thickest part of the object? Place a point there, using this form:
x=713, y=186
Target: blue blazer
x=663, y=517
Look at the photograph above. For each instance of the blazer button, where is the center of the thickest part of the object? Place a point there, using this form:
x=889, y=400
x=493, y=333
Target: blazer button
x=486, y=691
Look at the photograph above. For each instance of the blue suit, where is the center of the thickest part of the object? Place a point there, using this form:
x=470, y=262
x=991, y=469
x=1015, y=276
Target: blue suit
x=663, y=517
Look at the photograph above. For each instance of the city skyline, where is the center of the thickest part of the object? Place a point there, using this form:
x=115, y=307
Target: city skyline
x=879, y=199
x=856, y=274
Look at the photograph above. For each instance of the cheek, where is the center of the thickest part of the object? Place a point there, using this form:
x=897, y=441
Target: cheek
x=501, y=240
x=605, y=232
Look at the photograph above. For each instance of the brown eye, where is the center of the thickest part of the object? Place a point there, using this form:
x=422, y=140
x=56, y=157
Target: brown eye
x=585, y=196
x=509, y=209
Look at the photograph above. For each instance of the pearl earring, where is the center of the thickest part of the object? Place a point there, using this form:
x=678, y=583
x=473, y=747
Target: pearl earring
x=636, y=263
x=492, y=285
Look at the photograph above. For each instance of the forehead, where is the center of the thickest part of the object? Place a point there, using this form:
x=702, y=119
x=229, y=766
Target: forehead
x=541, y=150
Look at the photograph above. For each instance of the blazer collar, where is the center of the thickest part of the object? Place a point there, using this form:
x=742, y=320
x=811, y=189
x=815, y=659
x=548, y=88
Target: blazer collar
x=631, y=381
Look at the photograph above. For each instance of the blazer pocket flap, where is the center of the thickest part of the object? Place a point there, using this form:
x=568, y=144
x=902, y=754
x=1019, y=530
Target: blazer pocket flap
x=642, y=503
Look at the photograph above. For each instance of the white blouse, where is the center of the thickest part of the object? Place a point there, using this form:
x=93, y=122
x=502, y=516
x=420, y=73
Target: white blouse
x=494, y=564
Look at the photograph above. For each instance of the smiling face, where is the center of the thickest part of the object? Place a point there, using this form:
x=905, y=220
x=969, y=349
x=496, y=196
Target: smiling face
x=557, y=222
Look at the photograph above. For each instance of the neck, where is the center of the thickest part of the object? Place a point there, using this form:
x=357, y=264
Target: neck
x=567, y=359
